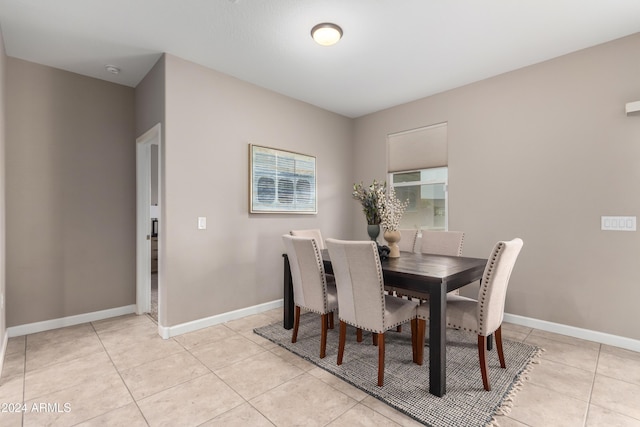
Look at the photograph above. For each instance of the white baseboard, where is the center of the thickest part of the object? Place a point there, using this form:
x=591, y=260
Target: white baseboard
x=572, y=331
x=46, y=325
x=167, y=332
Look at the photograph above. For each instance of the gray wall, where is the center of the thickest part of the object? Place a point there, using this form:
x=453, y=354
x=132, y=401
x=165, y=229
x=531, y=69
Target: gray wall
x=236, y=262
x=150, y=99
x=541, y=153
x=70, y=178
x=150, y=110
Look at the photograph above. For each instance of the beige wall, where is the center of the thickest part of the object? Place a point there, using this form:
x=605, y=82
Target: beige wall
x=541, y=153
x=150, y=110
x=150, y=98
x=70, y=194
x=3, y=74
x=236, y=262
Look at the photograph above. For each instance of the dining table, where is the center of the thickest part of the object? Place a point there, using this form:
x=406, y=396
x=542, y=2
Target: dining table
x=421, y=275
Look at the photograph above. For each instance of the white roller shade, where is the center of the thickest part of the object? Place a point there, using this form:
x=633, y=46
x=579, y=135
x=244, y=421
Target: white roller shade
x=418, y=149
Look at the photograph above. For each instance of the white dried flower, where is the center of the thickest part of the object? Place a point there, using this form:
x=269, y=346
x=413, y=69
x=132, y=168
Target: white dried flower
x=391, y=210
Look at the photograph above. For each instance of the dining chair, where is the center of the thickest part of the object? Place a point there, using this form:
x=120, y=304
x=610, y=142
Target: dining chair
x=361, y=298
x=407, y=241
x=442, y=242
x=312, y=232
x=482, y=316
x=437, y=243
x=310, y=288
x=316, y=234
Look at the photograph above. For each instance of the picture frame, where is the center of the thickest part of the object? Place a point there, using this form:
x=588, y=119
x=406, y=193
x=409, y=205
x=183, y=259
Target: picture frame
x=281, y=181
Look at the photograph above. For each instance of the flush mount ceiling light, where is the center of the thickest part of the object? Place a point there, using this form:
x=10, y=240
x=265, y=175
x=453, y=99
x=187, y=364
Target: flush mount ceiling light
x=326, y=34
x=112, y=69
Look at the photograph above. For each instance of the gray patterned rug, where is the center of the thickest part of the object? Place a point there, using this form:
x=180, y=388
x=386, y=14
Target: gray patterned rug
x=406, y=385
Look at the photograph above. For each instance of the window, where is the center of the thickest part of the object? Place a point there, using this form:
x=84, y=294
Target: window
x=426, y=190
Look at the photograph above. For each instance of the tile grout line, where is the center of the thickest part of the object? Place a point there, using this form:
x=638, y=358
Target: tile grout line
x=304, y=372
x=218, y=377
x=593, y=383
x=356, y=402
x=121, y=379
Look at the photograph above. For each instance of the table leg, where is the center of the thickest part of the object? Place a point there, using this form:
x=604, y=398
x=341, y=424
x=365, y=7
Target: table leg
x=437, y=341
x=489, y=342
x=288, y=295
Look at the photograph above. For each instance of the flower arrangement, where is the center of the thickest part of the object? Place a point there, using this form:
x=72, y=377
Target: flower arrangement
x=391, y=210
x=379, y=206
x=370, y=198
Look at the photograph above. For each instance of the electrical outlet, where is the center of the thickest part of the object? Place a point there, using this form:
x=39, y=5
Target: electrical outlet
x=618, y=223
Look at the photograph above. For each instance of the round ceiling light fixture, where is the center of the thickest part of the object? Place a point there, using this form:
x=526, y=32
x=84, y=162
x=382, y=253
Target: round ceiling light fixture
x=112, y=69
x=326, y=34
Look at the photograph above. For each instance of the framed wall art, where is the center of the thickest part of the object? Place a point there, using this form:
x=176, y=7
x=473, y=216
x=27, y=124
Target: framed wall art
x=281, y=181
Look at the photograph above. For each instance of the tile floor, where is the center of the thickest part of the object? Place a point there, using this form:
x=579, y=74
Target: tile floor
x=119, y=372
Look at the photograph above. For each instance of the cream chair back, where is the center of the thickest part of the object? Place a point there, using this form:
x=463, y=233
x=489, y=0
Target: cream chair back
x=407, y=241
x=358, y=273
x=307, y=273
x=315, y=233
x=442, y=242
x=493, y=287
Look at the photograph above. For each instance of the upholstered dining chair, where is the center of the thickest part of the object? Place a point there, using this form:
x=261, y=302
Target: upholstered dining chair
x=312, y=232
x=407, y=241
x=442, y=242
x=310, y=288
x=484, y=315
x=438, y=243
x=316, y=234
x=361, y=299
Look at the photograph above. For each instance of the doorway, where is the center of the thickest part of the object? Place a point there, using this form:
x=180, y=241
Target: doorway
x=148, y=220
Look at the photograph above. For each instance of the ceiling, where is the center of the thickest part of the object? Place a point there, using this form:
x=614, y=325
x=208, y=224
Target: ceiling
x=392, y=51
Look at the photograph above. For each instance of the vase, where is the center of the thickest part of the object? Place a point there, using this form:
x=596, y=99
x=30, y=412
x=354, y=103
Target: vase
x=392, y=238
x=373, y=230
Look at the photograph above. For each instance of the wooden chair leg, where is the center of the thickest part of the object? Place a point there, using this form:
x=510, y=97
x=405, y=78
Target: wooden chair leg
x=323, y=335
x=414, y=339
x=399, y=328
x=331, y=320
x=374, y=338
x=359, y=335
x=484, y=367
x=296, y=323
x=422, y=326
x=341, y=340
x=380, y=359
x=498, y=337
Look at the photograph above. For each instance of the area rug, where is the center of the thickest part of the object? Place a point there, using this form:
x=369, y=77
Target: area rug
x=406, y=385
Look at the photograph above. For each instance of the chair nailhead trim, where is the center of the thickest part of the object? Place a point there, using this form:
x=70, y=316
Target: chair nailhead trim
x=380, y=281
x=323, y=277
x=485, y=281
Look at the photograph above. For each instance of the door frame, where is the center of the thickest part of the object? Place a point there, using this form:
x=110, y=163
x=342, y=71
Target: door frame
x=143, y=218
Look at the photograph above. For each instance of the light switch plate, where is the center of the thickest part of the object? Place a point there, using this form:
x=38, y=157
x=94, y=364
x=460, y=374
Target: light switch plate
x=618, y=223
x=202, y=223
